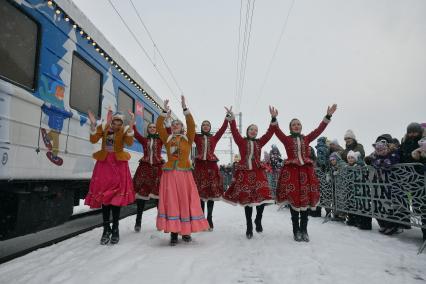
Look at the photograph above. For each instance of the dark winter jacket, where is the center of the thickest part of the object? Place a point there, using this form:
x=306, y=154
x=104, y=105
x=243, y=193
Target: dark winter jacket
x=356, y=147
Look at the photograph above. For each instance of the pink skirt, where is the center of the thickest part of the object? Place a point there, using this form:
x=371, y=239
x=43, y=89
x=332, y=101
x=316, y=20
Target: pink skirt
x=179, y=209
x=111, y=184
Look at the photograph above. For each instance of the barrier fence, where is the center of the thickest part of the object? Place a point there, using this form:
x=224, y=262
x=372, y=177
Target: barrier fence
x=395, y=194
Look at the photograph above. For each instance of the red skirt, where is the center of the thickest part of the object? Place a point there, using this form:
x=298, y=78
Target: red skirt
x=147, y=180
x=298, y=186
x=111, y=184
x=209, y=181
x=249, y=188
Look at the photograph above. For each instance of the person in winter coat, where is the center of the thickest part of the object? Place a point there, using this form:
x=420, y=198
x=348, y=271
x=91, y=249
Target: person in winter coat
x=298, y=184
x=206, y=172
x=382, y=160
x=179, y=209
x=336, y=165
x=111, y=184
x=352, y=144
x=354, y=160
x=249, y=185
x=419, y=155
x=410, y=142
x=335, y=147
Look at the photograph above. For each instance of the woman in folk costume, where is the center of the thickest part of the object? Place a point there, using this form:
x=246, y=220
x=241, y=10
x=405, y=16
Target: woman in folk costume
x=249, y=185
x=298, y=184
x=111, y=184
x=146, y=180
x=206, y=171
x=179, y=209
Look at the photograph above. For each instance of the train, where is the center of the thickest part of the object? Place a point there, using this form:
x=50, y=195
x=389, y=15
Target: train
x=55, y=65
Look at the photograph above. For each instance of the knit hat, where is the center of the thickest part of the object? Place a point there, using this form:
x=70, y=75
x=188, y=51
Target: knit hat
x=354, y=155
x=380, y=145
x=386, y=137
x=414, y=127
x=335, y=156
x=350, y=134
x=335, y=142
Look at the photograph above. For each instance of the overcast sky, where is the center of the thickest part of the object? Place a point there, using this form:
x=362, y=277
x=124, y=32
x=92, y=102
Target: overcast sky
x=367, y=56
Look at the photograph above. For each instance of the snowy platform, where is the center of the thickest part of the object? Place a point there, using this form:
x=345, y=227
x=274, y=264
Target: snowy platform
x=336, y=254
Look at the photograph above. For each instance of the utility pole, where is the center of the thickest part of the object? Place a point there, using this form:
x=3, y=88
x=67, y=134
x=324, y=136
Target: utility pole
x=240, y=122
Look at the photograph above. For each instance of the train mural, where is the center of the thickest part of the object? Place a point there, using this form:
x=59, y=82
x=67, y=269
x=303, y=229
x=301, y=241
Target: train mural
x=55, y=66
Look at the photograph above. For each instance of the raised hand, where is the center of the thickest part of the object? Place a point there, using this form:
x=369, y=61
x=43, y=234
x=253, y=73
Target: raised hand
x=273, y=111
x=92, y=118
x=132, y=119
x=109, y=116
x=166, y=106
x=229, y=114
x=183, y=102
x=228, y=110
x=332, y=109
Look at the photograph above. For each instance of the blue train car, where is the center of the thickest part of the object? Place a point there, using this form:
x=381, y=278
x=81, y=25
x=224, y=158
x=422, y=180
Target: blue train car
x=55, y=66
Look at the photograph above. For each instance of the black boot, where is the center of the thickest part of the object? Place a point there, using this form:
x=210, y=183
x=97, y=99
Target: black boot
x=248, y=212
x=210, y=205
x=258, y=219
x=304, y=225
x=186, y=238
x=115, y=236
x=173, y=239
x=297, y=235
x=140, y=207
x=106, y=235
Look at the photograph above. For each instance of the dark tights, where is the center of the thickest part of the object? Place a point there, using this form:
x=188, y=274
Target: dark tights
x=303, y=225
x=248, y=210
x=106, y=213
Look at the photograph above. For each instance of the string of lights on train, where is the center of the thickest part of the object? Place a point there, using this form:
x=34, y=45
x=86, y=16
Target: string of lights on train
x=108, y=58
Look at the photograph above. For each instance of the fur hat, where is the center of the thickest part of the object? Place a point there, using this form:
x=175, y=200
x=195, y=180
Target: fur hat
x=350, y=134
x=354, y=155
x=118, y=116
x=415, y=127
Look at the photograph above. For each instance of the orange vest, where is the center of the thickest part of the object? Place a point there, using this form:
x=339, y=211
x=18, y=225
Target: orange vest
x=120, y=137
x=178, y=147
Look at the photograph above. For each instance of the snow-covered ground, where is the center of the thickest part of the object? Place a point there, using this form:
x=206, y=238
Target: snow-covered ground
x=81, y=208
x=336, y=254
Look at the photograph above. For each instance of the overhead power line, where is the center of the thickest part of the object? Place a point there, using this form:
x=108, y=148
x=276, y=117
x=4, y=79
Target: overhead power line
x=271, y=61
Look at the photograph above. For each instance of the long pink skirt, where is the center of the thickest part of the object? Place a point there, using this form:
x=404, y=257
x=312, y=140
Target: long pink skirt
x=179, y=209
x=111, y=184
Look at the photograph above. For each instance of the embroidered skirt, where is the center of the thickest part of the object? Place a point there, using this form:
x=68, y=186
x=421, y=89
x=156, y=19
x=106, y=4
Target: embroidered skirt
x=249, y=188
x=209, y=181
x=298, y=186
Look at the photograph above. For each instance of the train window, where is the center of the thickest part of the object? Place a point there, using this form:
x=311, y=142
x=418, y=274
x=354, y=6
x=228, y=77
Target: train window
x=18, y=46
x=85, y=84
x=148, y=117
x=125, y=103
